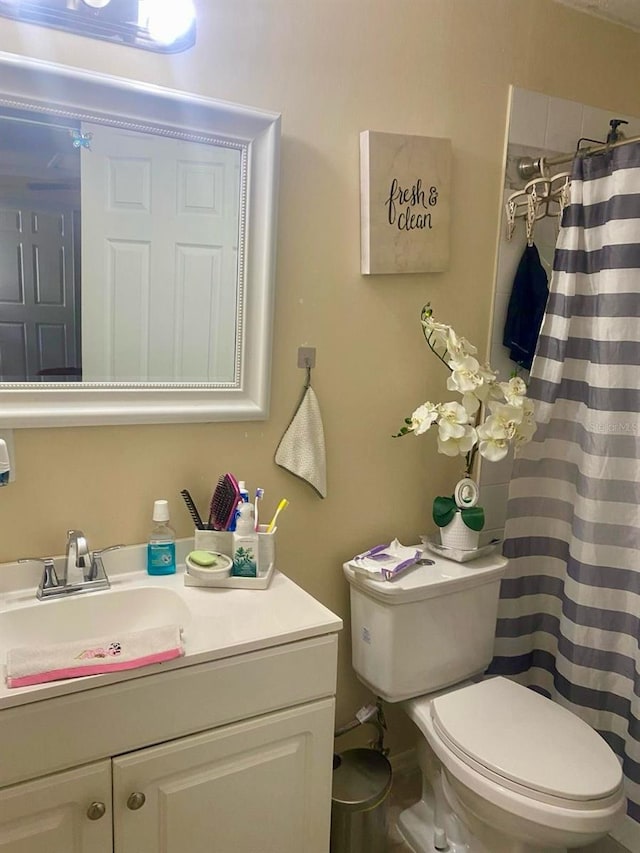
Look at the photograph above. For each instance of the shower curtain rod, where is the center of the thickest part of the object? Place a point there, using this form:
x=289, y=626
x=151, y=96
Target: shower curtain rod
x=528, y=167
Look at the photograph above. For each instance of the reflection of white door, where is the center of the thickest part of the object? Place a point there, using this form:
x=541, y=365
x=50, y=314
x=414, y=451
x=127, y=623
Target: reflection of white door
x=37, y=295
x=159, y=258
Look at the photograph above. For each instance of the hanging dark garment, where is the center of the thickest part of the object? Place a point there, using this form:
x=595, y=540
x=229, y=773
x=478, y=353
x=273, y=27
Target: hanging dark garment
x=526, y=308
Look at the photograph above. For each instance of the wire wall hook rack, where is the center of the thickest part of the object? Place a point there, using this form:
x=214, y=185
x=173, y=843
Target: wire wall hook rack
x=547, y=195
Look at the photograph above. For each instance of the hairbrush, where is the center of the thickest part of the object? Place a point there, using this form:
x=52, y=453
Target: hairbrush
x=224, y=501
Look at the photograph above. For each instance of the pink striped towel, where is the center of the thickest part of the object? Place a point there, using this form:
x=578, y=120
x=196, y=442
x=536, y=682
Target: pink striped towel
x=36, y=664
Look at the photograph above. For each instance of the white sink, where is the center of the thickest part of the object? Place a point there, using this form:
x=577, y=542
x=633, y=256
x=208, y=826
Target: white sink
x=217, y=623
x=97, y=614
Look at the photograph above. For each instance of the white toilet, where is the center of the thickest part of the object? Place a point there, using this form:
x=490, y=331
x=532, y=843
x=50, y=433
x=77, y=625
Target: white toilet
x=505, y=770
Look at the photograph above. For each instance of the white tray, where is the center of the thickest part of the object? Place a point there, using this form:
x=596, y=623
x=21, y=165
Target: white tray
x=457, y=554
x=261, y=582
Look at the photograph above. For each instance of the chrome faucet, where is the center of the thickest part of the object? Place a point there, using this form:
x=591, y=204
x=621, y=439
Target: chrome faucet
x=78, y=559
x=82, y=570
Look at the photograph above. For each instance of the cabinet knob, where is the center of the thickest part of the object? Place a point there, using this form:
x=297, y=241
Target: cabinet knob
x=136, y=800
x=96, y=811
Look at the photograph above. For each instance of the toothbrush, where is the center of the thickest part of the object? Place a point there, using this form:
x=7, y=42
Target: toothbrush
x=284, y=503
x=259, y=496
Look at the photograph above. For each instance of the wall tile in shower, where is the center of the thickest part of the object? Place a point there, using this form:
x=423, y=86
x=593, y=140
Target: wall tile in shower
x=564, y=125
x=528, y=118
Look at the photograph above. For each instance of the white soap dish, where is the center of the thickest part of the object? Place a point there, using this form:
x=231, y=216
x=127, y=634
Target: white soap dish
x=220, y=566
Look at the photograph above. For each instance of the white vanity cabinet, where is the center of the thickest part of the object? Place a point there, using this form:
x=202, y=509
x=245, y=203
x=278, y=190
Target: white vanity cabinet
x=260, y=785
x=226, y=750
x=49, y=815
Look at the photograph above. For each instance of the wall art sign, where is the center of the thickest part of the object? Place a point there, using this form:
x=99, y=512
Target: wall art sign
x=405, y=201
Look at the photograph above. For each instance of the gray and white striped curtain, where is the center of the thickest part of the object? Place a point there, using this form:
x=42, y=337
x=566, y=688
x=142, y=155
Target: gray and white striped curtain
x=569, y=613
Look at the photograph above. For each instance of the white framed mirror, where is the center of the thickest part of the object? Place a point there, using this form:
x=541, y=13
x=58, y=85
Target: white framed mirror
x=137, y=251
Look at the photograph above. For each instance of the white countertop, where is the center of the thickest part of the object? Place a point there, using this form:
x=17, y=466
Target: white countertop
x=221, y=622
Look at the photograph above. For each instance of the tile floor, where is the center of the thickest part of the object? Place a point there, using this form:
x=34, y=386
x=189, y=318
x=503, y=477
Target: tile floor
x=406, y=790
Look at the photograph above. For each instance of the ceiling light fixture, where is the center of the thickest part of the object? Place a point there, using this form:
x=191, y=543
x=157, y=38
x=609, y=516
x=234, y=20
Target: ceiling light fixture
x=167, y=26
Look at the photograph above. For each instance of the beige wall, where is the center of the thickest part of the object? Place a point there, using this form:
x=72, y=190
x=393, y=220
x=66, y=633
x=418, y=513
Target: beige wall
x=333, y=68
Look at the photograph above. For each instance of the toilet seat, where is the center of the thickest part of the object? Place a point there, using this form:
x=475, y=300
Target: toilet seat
x=523, y=741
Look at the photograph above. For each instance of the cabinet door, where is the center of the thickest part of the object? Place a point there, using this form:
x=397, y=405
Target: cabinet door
x=261, y=786
x=55, y=814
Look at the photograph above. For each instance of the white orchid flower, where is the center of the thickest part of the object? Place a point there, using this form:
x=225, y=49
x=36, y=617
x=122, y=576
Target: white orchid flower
x=455, y=435
x=459, y=347
x=457, y=445
x=452, y=415
x=493, y=439
x=514, y=391
x=488, y=377
x=423, y=417
x=465, y=375
x=525, y=431
x=438, y=333
x=508, y=416
x=527, y=427
x=528, y=409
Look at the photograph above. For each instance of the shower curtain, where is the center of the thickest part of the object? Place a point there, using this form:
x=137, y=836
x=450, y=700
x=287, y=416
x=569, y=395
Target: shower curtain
x=569, y=612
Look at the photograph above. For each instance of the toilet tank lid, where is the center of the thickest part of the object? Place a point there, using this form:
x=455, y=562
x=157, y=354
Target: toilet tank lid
x=528, y=739
x=420, y=582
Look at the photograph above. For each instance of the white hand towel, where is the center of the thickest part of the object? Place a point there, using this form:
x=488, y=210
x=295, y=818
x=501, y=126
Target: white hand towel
x=36, y=664
x=301, y=450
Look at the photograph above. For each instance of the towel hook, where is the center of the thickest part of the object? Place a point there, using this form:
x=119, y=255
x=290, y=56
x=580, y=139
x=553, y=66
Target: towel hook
x=307, y=360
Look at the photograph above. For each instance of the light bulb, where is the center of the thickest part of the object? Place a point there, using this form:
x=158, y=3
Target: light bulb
x=168, y=20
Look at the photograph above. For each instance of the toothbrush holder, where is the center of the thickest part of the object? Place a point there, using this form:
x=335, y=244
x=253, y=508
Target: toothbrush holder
x=221, y=541
x=266, y=547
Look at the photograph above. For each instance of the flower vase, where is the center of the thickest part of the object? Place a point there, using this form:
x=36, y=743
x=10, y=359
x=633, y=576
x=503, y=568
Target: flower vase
x=457, y=536
x=459, y=518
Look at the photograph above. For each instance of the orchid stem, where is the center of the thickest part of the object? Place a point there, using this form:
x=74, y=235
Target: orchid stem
x=434, y=350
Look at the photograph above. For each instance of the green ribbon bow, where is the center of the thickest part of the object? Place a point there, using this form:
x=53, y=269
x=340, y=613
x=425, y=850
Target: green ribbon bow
x=445, y=508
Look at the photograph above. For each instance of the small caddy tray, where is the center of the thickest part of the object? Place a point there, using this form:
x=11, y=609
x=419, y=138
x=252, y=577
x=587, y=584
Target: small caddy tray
x=261, y=582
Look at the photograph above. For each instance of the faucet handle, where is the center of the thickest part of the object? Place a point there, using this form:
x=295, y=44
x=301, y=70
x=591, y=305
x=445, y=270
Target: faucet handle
x=101, y=551
x=49, y=576
x=95, y=569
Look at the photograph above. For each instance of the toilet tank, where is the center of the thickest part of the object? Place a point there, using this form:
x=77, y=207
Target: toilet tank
x=431, y=627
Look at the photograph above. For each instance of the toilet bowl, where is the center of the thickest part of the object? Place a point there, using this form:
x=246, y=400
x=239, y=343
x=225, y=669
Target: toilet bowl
x=505, y=770
x=519, y=771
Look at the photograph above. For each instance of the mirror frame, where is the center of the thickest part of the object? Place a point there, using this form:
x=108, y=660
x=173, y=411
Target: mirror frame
x=51, y=88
